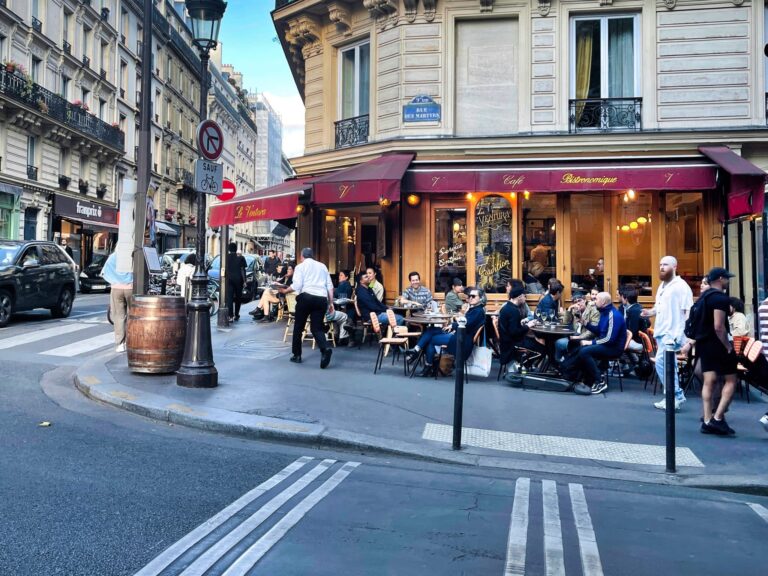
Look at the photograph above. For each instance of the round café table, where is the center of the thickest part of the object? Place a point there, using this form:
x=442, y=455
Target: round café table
x=406, y=311
x=551, y=334
x=427, y=320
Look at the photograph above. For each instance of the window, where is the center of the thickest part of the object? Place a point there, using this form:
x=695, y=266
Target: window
x=104, y=56
x=2, y=47
x=493, y=244
x=65, y=162
x=539, y=233
x=121, y=123
x=84, y=168
x=684, y=213
x=36, y=9
x=103, y=109
x=86, y=38
x=35, y=70
x=124, y=22
x=31, y=150
x=587, y=213
x=64, y=88
x=65, y=26
x=86, y=96
x=123, y=75
x=634, y=240
x=355, y=80
x=450, y=247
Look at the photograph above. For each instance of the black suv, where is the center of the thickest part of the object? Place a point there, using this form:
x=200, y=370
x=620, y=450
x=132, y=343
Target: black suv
x=35, y=275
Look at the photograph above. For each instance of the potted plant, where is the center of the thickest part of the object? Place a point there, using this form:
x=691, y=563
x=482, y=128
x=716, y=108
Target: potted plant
x=169, y=212
x=64, y=181
x=192, y=220
x=101, y=191
x=41, y=104
x=180, y=218
x=10, y=66
x=82, y=185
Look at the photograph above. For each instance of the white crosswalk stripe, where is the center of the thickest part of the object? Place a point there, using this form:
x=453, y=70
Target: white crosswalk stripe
x=235, y=536
x=39, y=335
x=83, y=346
x=761, y=511
x=63, y=340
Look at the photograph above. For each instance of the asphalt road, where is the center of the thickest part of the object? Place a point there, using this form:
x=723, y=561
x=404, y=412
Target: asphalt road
x=102, y=492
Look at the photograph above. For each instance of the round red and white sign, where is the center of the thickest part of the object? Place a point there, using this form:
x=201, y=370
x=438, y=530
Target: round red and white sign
x=227, y=190
x=210, y=140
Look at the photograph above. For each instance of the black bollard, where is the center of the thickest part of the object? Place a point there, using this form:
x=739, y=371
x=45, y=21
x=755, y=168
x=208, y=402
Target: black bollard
x=164, y=283
x=458, y=397
x=670, y=364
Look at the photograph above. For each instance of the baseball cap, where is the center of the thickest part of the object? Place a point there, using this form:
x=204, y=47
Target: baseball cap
x=716, y=273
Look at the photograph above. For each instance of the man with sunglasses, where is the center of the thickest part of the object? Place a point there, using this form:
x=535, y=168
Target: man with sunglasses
x=435, y=336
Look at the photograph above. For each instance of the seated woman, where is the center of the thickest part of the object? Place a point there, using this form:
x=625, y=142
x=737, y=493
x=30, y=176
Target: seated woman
x=513, y=325
x=263, y=310
x=737, y=320
x=434, y=336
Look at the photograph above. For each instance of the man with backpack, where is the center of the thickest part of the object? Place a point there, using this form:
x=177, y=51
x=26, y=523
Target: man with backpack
x=673, y=301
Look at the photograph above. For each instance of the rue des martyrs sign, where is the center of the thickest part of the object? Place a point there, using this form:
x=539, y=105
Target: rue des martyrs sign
x=422, y=109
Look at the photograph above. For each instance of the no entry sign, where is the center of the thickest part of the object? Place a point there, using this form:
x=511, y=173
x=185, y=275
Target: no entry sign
x=227, y=190
x=210, y=140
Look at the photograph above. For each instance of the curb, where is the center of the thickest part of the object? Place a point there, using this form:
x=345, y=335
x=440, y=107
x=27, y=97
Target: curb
x=95, y=381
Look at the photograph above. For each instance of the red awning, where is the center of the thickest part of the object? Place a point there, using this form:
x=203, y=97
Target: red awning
x=273, y=203
x=745, y=184
x=649, y=175
x=366, y=183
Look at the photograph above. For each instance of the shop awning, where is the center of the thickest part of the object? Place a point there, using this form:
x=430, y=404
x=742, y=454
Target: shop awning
x=366, y=183
x=744, y=184
x=10, y=189
x=163, y=228
x=273, y=203
x=576, y=177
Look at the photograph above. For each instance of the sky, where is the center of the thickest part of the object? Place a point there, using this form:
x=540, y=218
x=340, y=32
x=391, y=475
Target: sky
x=249, y=42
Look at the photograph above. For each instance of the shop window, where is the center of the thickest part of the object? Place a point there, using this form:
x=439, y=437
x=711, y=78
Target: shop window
x=634, y=236
x=355, y=80
x=493, y=244
x=587, y=214
x=539, y=232
x=450, y=247
x=486, y=77
x=684, y=232
x=340, y=233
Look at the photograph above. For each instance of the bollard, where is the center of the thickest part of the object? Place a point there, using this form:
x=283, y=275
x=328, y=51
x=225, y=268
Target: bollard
x=458, y=397
x=164, y=283
x=669, y=395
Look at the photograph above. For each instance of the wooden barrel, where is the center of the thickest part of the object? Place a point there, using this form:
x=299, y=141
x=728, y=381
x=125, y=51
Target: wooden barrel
x=157, y=327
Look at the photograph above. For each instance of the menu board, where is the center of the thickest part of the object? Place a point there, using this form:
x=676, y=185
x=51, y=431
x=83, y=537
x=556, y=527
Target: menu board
x=493, y=243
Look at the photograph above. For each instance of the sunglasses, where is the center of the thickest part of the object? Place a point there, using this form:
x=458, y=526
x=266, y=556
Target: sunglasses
x=474, y=295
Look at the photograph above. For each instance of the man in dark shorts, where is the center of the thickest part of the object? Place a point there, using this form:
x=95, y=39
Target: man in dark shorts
x=716, y=355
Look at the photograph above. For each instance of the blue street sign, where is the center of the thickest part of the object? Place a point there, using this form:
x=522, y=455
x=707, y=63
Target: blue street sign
x=422, y=109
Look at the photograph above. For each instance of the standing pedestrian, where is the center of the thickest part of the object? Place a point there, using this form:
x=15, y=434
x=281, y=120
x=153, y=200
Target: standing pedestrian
x=185, y=273
x=673, y=302
x=121, y=288
x=236, y=273
x=270, y=264
x=314, y=288
x=714, y=348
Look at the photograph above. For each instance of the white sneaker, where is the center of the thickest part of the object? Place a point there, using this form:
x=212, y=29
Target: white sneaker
x=662, y=404
x=120, y=348
x=764, y=422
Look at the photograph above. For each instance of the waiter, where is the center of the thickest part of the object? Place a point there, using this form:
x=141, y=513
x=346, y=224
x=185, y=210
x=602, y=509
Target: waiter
x=314, y=289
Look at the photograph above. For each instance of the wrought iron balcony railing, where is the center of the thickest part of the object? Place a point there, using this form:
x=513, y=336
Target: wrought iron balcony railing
x=605, y=115
x=31, y=172
x=352, y=131
x=86, y=61
x=37, y=26
x=67, y=47
x=184, y=177
x=18, y=89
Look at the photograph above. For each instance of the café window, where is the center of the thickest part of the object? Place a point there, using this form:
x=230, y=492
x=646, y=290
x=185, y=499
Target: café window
x=684, y=231
x=634, y=228
x=450, y=247
x=340, y=233
x=493, y=244
x=587, y=214
x=539, y=232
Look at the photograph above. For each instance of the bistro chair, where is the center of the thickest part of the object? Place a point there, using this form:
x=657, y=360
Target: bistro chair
x=366, y=324
x=650, y=355
x=330, y=333
x=290, y=307
x=398, y=342
x=739, y=342
x=614, y=368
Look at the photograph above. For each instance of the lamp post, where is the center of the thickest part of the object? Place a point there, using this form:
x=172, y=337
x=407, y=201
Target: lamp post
x=197, y=368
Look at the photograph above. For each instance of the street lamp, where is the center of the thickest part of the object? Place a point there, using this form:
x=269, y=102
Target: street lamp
x=197, y=368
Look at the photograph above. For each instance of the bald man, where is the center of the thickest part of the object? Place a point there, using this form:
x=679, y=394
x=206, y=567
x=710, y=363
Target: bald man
x=673, y=302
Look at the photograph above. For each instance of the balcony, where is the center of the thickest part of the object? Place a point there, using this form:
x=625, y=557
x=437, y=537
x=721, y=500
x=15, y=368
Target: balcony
x=17, y=89
x=86, y=62
x=67, y=47
x=184, y=177
x=122, y=39
x=103, y=74
x=605, y=115
x=31, y=172
x=352, y=131
x=37, y=26
x=122, y=93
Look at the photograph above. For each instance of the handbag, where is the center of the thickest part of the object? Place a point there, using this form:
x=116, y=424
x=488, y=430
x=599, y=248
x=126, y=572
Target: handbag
x=479, y=362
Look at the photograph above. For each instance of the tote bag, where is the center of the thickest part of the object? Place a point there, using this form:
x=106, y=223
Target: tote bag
x=479, y=362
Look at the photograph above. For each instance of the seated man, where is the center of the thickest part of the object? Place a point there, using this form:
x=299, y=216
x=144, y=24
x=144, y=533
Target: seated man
x=635, y=322
x=454, y=300
x=367, y=302
x=435, y=336
x=575, y=318
x=549, y=305
x=513, y=325
x=339, y=318
x=609, y=343
x=418, y=294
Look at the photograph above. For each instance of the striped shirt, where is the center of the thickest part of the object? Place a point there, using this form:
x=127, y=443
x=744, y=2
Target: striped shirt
x=762, y=315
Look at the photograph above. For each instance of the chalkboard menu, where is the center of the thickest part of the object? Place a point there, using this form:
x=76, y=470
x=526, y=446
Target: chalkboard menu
x=493, y=243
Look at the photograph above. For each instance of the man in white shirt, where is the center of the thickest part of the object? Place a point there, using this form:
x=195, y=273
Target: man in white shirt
x=673, y=302
x=314, y=288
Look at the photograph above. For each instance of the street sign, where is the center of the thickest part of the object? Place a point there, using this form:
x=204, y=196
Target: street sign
x=210, y=140
x=228, y=190
x=208, y=176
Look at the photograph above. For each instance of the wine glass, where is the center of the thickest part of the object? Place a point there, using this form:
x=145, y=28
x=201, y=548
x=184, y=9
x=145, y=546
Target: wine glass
x=537, y=316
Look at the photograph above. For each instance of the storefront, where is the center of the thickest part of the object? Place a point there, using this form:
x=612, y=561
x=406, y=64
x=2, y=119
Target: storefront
x=9, y=211
x=87, y=228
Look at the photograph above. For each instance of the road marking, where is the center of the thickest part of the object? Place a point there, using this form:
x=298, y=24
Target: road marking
x=37, y=335
x=83, y=346
x=646, y=454
x=74, y=317
x=518, y=530
x=201, y=565
x=169, y=555
x=590, y=556
x=553, y=534
x=259, y=548
x=759, y=510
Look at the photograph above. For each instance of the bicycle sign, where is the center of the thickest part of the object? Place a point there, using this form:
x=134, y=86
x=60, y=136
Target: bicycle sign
x=208, y=177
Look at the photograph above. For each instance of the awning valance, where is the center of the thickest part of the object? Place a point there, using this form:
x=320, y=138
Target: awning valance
x=641, y=175
x=366, y=183
x=273, y=203
x=163, y=228
x=744, y=184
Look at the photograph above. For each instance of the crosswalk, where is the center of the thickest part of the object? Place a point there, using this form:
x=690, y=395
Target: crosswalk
x=72, y=338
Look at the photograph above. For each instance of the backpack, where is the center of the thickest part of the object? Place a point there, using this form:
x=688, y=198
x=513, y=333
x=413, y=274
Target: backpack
x=696, y=327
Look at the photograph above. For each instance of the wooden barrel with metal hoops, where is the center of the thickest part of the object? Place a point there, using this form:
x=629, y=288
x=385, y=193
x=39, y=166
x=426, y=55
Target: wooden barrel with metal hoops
x=155, y=334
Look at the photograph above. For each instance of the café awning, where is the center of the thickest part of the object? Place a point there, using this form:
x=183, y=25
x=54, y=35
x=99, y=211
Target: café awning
x=365, y=183
x=744, y=182
x=274, y=203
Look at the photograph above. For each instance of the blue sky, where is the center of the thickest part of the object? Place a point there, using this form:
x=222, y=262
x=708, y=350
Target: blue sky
x=249, y=43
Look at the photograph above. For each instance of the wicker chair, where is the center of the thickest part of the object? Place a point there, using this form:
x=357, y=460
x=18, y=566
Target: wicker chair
x=398, y=342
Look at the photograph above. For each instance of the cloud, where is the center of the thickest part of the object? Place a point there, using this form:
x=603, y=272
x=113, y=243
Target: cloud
x=291, y=110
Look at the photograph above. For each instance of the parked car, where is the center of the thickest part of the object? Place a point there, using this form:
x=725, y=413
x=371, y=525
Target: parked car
x=175, y=257
x=35, y=275
x=254, y=269
x=90, y=277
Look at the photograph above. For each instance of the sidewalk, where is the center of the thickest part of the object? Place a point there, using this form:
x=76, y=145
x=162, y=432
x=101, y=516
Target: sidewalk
x=619, y=435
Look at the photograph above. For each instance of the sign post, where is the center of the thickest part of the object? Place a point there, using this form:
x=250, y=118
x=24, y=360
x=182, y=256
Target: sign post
x=227, y=192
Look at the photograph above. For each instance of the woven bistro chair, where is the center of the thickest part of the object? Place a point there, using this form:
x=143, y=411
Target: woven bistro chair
x=365, y=323
x=398, y=342
x=614, y=368
x=290, y=314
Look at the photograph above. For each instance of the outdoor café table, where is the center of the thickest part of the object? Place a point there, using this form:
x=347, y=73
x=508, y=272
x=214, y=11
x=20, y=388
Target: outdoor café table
x=406, y=311
x=551, y=334
x=427, y=320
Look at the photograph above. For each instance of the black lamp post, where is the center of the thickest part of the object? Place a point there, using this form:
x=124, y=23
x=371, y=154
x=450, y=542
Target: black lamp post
x=197, y=368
